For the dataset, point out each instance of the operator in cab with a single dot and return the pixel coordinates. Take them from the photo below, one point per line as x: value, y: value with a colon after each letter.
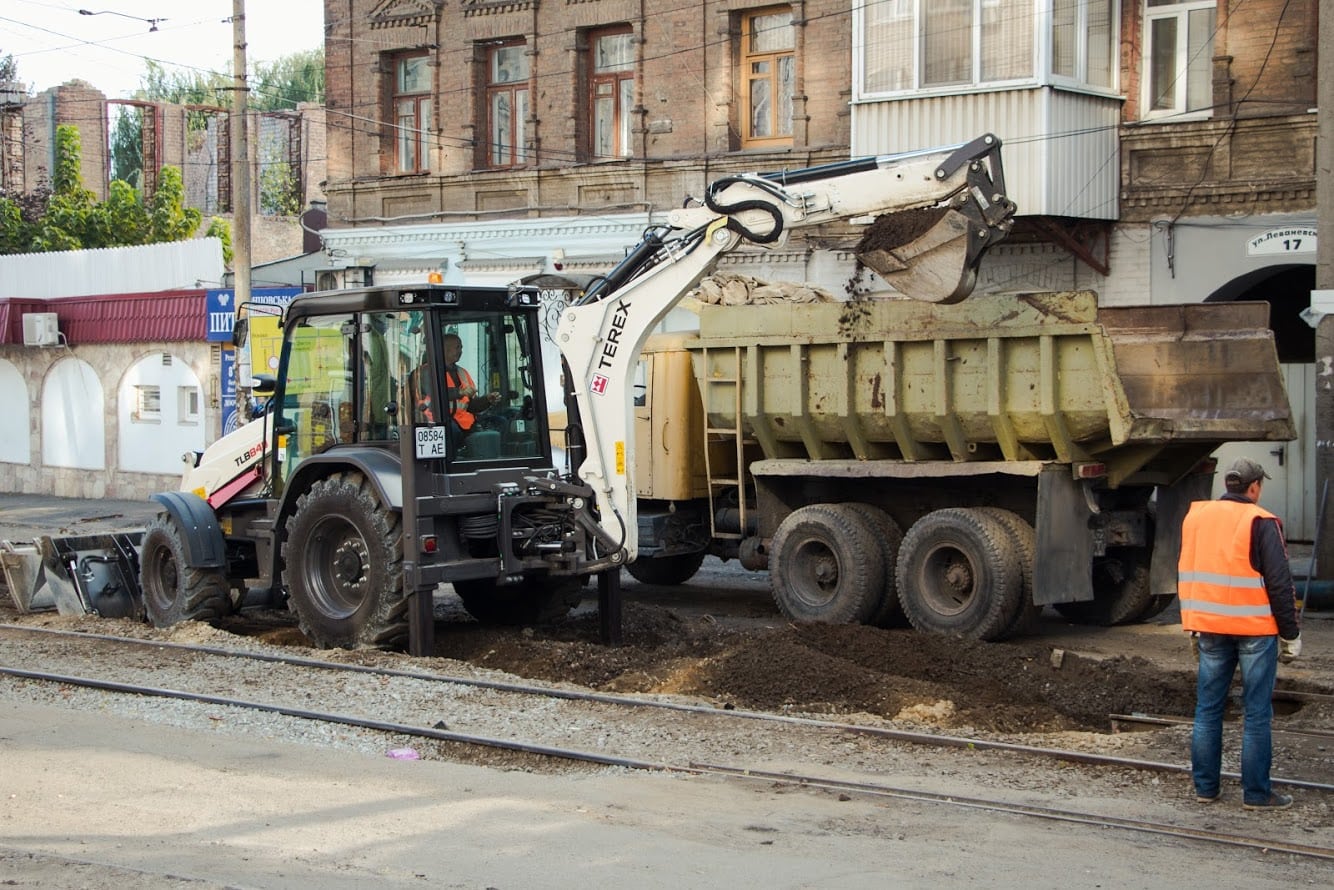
x: 462, y: 401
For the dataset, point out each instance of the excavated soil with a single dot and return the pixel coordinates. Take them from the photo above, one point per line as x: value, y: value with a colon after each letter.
x: 837, y: 670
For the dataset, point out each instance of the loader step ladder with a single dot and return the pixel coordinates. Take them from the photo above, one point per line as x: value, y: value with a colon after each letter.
x: 725, y: 388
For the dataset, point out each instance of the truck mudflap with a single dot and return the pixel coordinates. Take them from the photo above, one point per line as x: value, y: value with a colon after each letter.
x: 81, y: 575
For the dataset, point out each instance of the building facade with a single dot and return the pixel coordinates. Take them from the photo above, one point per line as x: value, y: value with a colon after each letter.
x: 1159, y: 151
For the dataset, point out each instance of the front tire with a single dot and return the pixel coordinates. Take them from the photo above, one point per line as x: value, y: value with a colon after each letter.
x: 958, y: 573
x: 174, y: 592
x: 675, y: 569
x: 343, y: 566
x: 826, y: 566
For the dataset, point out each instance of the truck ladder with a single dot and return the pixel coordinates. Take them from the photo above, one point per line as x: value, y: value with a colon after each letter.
x: 718, y: 485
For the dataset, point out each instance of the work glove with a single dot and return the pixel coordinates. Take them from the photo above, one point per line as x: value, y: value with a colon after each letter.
x: 1289, y: 649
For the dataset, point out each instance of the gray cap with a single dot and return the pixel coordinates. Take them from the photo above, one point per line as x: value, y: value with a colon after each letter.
x: 1246, y: 471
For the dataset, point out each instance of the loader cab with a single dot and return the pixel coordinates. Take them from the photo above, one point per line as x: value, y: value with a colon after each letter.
x: 377, y: 366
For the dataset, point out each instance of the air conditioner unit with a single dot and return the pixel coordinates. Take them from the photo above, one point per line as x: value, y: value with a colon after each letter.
x: 40, y: 329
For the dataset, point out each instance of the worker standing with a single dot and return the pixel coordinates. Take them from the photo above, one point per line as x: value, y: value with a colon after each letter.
x: 1239, y: 604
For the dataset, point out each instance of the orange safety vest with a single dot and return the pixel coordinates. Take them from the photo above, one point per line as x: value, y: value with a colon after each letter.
x: 1220, y: 591
x: 462, y: 416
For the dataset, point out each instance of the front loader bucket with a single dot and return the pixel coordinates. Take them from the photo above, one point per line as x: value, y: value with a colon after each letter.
x: 90, y: 574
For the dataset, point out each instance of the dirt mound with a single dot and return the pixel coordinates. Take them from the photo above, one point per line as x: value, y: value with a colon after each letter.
x: 833, y: 669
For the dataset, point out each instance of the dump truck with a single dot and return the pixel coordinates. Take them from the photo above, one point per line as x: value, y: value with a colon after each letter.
x: 956, y: 467
x: 360, y: 489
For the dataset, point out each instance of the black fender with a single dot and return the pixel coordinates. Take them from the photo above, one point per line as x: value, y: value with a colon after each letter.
x: 383, y: 468
x: 200, y: 532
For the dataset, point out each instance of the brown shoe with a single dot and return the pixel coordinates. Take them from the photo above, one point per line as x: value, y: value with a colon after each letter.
x: 1274, y: 802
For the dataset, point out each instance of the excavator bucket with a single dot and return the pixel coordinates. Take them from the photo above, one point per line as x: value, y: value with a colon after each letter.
x: 81, y: 575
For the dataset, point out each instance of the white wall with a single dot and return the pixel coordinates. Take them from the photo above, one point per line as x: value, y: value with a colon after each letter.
x: 16, y: 432
x: 155, y: 444
x: 73, y: 434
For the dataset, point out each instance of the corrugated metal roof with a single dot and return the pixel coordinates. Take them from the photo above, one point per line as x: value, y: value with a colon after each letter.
x: 117, y: 318
x: 81, y: 273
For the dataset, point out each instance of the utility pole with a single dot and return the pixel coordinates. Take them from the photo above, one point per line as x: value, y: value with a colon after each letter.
x: 1324, y: 280
x: 240, y: 146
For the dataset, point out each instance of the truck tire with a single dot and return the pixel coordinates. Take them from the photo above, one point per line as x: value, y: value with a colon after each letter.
x: 1121, y: 592
x: 826, y: 566
x: 958, y: 573
x: 675, y: 569
x: 1026, y: 546
x: 535, y: 600
x: 343, y: 566
x: 172, y: 591
x: 888, y: 612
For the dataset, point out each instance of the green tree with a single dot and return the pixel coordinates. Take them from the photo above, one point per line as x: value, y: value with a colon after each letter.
x: 222, y: 230
x: 170, y: 219
x: 288, y: 81
x: 9, y: 70
x: 127, y: 145
x: 69, y: 222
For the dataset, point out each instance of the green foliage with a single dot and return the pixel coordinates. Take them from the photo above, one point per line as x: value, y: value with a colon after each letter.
x: 67, y: 216
x: 9, y: 71
x: 127, y: 146
x: 287, y: 81
x: 170, y: 219
x: 222, y: 230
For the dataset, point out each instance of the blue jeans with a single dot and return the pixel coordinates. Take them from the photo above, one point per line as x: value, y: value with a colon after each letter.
x: 1219, y: 656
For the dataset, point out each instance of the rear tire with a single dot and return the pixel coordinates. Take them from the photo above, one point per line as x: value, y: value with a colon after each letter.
x: 958, y: 573
x: 825, y: 566
x: 172, y: 591
x: 888, y: 612
x: 535, y: 600
x: 343, y: 566
x: 1121, y: 592
x: 675, y: 569
x: 1026, y: 546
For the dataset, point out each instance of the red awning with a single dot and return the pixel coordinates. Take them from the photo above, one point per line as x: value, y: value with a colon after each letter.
x: 113, y: 318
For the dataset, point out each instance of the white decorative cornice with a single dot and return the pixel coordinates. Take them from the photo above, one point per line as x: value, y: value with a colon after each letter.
x: 398, y: 13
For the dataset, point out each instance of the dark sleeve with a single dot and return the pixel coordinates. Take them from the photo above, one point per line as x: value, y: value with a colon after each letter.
x: 1269, y: 555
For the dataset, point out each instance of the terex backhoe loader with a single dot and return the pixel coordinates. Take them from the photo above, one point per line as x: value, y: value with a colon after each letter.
x: 359, y: 491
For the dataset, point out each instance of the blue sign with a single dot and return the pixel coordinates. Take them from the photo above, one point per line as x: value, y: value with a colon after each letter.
x: 228, y: 371
x: 221, y: 308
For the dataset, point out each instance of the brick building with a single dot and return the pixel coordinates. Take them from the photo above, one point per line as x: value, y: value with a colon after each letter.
x: 1160, y: 151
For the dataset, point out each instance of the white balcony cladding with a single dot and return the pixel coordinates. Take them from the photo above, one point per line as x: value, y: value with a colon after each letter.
x: 1059, y: 147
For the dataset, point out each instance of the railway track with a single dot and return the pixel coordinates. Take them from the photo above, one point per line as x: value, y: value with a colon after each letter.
x: 531, y: 697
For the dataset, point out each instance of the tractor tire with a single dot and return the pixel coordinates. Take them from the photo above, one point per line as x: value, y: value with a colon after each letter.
x: 1121, y: 592
x: 343, y: 566
x: 173, y: 592
x: 666, y: 570
x: 888, y: 612
x: 1026, y: 546
x: 826, y: 566
x: 535, y: 600
x: 959, y: 574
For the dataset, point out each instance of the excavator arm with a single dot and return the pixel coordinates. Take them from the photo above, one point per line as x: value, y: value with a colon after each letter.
x: 936, y: 213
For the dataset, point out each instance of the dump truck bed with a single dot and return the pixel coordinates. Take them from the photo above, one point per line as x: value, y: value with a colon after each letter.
x: 1049, y: 376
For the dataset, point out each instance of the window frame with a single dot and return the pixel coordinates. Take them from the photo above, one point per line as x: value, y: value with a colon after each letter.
x: 519, y: 92
x: 622, y: 104
x: 746, y: 58
x: 900, y: 35
x: 1180, y: 10
x: 421, y: 116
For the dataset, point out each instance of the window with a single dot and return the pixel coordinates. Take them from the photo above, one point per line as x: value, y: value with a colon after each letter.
x: 916, y: 44
x: 148, y: 404
x: 1178, y: 58
x: 187, y: 404
x: 507, y: 105
x: 1082, y: 41
x: 768, y: 76
x: 317, y: 359
x: 611, y: 83
x: 412, y: 114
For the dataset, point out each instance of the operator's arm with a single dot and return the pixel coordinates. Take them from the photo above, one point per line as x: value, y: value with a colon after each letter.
x: 1269, y: 555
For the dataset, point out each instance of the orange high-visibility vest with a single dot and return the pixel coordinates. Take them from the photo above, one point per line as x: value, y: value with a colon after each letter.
x: 1220, y: 591
x: 462, y: 416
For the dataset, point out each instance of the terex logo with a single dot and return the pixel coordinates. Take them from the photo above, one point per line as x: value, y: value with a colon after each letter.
x: 250, y: 454
x: 613, y: 341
